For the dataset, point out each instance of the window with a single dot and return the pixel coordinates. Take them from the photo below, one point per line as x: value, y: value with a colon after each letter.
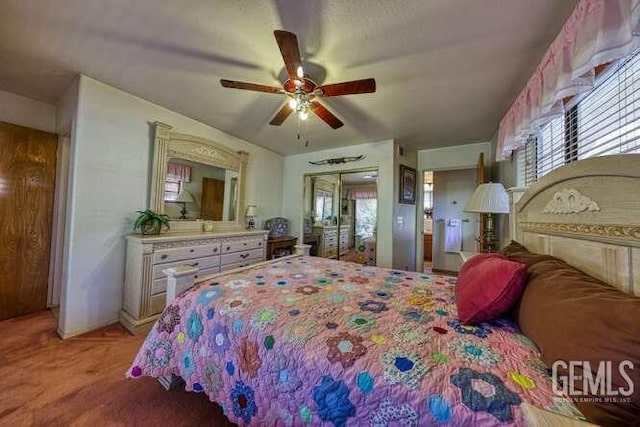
x: 171, y: 189
x: 606, y: 121
x: 366, y: 216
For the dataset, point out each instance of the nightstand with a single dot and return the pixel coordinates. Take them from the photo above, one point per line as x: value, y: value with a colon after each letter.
x: 280, y: 246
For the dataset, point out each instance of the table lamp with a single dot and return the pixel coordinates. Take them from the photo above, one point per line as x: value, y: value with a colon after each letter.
x: 488, y: 199
x: 184, y: 197
x: 250, y: 213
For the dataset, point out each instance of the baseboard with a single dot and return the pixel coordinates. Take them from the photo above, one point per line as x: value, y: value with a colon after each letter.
x: 135, y: 326
x: 65, y: 335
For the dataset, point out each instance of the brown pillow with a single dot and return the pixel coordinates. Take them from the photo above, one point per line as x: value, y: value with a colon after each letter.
x: 572, y: 316
x: 514, y: 251
x: 512, y: 247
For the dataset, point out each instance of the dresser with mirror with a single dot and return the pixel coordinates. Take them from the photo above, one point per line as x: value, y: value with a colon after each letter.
x: 200, y: 184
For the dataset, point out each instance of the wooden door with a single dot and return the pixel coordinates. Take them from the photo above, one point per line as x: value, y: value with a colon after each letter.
x: 480, y: 179
x: 212, y: 203
x: 27, y: 182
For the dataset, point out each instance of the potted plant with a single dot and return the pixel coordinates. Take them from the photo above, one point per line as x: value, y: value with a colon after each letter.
x: 150, y: 222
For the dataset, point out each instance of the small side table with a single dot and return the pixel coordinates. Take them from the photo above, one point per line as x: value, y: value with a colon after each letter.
x: 281, y: 246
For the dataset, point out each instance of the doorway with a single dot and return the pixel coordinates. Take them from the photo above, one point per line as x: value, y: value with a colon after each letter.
x: 340, y: 215
x: 27, y: 184
x: 453, y: 230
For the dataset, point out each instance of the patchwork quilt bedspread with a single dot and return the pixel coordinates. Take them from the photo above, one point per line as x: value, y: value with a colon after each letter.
x: 314, y: 341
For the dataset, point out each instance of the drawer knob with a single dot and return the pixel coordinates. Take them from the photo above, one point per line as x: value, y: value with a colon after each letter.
x: 245, y: 244
x: 195, y: 264
x: 191, y: 250
x: 228, y: 247
x: 215, y: 249
x: 164, y: 256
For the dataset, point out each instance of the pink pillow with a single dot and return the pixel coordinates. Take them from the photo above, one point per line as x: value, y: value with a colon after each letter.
x: 488, y: 285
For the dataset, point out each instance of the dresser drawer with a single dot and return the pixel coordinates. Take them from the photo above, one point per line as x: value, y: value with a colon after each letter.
x: 330, y: 239
x: 228, y: 267
x: 330, y: 252
x: 202, y: 264
x: 157, y: 303
x: 187, y: 252
x: 160, y: 285
x: 330, y: 233
x: 241, y: 256
x: 331, y: 244
x: 242, y: 245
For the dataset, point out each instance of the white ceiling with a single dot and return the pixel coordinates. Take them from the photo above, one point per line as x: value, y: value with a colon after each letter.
x: 446, y: 70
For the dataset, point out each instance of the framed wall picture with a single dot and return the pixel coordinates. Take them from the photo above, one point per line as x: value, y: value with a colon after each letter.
x: 407, y: 185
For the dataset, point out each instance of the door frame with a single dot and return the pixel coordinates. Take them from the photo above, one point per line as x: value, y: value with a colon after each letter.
x: 58, y: 223
x: 420, y: 210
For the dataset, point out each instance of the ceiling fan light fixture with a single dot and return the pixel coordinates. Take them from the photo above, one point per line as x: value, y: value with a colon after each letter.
x: 300, y: 91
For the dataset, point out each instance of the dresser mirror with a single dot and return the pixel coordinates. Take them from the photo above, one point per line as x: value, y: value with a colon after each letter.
x: 195, y: 179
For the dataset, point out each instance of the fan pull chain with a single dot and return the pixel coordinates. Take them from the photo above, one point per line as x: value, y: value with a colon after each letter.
x: 306, y: 133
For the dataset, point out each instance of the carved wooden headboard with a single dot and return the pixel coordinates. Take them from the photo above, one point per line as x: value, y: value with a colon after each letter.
x: 588, y: 214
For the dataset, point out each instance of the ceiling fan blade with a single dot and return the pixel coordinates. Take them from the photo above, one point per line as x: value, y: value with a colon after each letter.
x: 326, y: 115
x: 288, y: 44
x: 250, y: 86
x: 282, y: 115
x: 349, y: 88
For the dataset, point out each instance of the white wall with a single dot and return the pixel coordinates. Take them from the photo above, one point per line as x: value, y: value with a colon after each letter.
x: 27, y: 112
x: 458, y: 157
x: 404, y: 216
x: 111, y: 158
x: 378, y: 154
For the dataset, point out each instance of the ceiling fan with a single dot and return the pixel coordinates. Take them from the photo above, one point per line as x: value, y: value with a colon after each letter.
x: 301, y: 91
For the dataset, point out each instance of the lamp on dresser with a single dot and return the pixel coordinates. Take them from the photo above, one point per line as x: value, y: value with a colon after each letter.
x: 250, y: 213
x: 489, y: 199
x: 183, y: 198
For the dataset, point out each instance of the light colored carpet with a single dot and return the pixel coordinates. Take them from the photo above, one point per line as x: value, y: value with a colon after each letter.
x: 80, y: 381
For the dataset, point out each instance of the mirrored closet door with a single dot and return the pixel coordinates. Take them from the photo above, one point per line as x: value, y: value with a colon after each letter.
x: 340, y: 215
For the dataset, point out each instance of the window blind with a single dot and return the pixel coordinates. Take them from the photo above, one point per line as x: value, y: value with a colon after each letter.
x: 605, y: 121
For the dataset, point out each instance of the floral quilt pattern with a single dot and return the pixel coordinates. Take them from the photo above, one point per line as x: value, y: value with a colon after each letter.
x: 316, y: 341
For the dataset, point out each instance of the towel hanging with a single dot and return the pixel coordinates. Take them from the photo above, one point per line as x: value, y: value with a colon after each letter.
x: 453, y: 235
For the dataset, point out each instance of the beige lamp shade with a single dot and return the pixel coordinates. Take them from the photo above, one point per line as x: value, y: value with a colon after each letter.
x: 251, y: 211
x: 185, y: 197
x: 489, y: 198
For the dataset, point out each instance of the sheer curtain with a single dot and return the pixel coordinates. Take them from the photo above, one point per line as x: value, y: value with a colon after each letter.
x: 597, y: 32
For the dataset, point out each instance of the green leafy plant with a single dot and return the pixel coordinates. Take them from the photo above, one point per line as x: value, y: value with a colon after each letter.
x: 150, y: 222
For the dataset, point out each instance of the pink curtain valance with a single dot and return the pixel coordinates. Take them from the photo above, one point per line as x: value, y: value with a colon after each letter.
x: 355, y: 193
x: 596, y: 33
x: 178, y: 172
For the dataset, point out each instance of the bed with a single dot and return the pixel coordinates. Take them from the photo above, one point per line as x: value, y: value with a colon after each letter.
x: 305, y: 340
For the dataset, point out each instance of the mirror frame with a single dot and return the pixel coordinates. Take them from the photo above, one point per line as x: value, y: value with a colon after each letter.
x: 167, y: 143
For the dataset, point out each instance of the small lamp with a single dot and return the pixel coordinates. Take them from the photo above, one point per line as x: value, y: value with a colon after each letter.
x: 250, y: 213
x: 184, y: 197
x: 488, y: 199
